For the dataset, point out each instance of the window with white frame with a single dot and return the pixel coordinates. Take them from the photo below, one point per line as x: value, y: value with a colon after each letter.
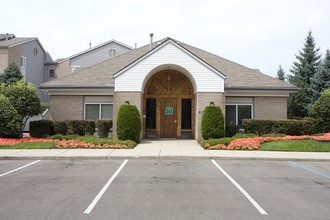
x: 23, y: 62
x: 95, y: 111
x: 235, y: 113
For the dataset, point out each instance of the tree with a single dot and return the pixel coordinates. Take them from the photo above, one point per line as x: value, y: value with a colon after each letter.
x: 280, y: 73
x: 24, y: 99
x: 9, y: 119
x: 303, y: 71
x: 321, y: 79
x: 11, y: 74
x: 320, y: 111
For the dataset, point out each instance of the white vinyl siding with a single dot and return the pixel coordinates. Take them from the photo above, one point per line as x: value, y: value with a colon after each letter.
x: 205, y: 78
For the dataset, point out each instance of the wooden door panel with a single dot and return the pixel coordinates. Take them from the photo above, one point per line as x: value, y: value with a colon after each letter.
x: 168, y: 115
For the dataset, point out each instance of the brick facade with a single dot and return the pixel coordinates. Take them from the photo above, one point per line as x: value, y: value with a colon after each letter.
x: 64, y: 107
x: 270, y: 107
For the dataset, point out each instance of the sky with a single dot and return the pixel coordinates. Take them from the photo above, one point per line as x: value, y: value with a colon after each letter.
x: 255, y: 33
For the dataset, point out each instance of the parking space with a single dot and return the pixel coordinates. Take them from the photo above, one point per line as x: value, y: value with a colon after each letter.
x: 163, y: 189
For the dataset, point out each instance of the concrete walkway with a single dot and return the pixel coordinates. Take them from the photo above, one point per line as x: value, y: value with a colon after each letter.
x: 160, y: 149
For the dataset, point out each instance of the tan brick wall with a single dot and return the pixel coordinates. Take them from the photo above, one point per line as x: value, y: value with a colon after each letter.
x: 119, y: 98
x: 14, y: 55
x: 66, y: 107
x: 270, y: 107
x: 63, y: 69
x: 3, y: 59
x: 203, y: 100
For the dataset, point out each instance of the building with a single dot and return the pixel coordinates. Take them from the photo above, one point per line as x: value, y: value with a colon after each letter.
x: 171, y: 83
x: 29, y: 54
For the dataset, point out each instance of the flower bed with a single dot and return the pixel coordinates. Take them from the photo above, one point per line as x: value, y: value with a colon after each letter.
x: 60, y: 144
x: 255, y: 143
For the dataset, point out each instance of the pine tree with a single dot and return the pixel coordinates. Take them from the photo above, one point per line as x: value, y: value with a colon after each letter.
x: 280, y: 73
x: 11, y: 74
x: 321, y: 79
x: 303, y: 71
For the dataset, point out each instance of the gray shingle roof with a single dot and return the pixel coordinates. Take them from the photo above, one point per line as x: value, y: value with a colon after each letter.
x: 101, y: 74
x: 15, y: 41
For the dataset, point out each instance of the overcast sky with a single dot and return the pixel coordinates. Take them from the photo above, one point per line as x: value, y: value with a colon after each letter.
x: 259, y: 34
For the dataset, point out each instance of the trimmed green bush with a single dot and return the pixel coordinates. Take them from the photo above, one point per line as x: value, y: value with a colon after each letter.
x: 89, y: 127
x: 41, y: 128
x: 320, y: 112
x: 128, y: 123
x: 103, y: 127
x: 231, y: 130
x: 60, y: 127
x: 10, y: 122
x: 288, y: 127
x: 212, y: 123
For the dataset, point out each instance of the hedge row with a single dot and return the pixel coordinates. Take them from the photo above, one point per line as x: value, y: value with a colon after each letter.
x: 289, y: 127
x: 46, y: 128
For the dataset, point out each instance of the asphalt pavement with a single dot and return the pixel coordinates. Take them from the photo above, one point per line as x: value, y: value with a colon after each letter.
x: 177, y: 188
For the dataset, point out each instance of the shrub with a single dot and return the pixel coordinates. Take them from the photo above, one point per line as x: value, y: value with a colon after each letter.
x: 259, y: 127
x: 10, y: 123
x: 289, y: 127
x: 41, y: 128
x: 103, y: 127
x: 320, y: 112
x: 231, y: 130
x: 89, y: 126
x: 128, y: 123
x: 60, y: 127
x: 212, y: 123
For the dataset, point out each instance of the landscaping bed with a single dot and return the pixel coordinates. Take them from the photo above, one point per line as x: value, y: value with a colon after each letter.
x: 255, y: 142
x: 65, y: 141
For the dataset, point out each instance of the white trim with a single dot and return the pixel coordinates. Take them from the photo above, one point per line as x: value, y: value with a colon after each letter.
x: 236, y: 109
x: 23, y: 60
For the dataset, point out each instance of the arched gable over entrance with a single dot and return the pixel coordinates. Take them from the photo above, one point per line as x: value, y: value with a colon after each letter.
x: 168, y: 107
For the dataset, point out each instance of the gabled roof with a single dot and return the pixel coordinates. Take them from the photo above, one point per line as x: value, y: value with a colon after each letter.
x: 162, y: 44
x: 19, y: 41
x: 101, y: 74
x: 94, y: 48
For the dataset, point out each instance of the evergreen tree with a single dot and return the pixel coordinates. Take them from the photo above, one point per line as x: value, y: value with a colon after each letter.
x: 321, y: 79
x: 280, y: 73
x: 11, y: 74
x: 303, y: 71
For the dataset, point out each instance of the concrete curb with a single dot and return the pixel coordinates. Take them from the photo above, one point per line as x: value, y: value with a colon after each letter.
x: 159, y: 157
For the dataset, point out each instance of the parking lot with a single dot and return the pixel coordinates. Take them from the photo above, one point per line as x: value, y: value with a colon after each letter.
x: 164, y: 189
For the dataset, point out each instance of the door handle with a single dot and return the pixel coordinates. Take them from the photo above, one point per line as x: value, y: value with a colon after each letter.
x: 175, y: 121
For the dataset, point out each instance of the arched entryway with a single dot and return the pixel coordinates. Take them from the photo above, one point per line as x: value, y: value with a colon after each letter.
x: 168, y: 106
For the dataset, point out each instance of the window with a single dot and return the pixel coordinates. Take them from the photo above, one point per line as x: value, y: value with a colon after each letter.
x: 186, y: 114
x: 51, y: 73
x: 236, y: 113
x: 35, y: 51
x: 23, y: 62
x: 112, y: 52
x: 98, y: 111
x: 151, y: 114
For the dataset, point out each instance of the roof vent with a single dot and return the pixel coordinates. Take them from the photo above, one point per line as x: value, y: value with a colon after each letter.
x: 151, y: 35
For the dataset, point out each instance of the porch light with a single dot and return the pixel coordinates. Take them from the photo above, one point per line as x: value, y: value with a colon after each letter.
x: 211, y: 103
x: 127, y: 102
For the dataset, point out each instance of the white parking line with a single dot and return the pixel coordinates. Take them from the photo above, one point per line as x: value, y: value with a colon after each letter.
x: 105, y: 187
x: 19, y: 168
x: 258, y: 207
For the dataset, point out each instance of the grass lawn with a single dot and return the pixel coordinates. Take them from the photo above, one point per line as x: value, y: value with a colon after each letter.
x: 30, y: 145
x: 297, y: 146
